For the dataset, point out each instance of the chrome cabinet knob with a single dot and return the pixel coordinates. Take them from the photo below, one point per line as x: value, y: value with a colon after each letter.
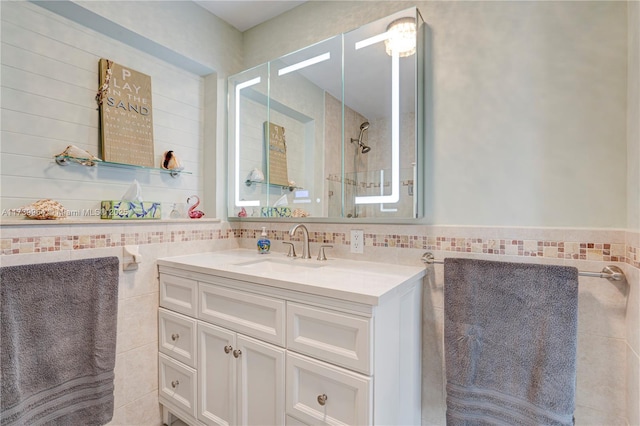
x: 322, y: 399
x: 175, y: 336
x: 228, y: 349
x: 175, y: 384
x: 237, y: 353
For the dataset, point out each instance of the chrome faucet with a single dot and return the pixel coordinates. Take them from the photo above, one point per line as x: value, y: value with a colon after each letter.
x: 305, y: 239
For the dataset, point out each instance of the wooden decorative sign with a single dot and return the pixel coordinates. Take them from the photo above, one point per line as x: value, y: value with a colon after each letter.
x: 126, y: 124
x: 277, y: 151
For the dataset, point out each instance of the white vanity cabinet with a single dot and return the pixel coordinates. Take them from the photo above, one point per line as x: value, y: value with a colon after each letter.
x: 241, y: 350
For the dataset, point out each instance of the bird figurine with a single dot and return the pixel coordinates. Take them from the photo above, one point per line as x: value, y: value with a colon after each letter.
x: 193, y: 213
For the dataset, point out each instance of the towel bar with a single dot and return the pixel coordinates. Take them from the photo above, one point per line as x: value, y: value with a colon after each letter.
x: 611, y: 272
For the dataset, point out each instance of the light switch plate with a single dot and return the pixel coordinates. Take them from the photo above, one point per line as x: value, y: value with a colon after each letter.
x: 357, y: 241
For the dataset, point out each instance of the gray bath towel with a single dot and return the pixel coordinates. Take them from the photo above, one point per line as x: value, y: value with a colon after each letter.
x: 510, y: 343
x: 58, y: 324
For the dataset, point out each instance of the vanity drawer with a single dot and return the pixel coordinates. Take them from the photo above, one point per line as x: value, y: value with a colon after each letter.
x: 348, y: 394
x: 177, y: 384
x: 255, y: 315
x: 177, y: 336
x: 179, y: 294
x: 332, y: 336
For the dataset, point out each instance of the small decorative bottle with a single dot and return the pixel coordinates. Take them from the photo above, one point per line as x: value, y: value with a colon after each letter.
x: 175, y: 213
x: 263, y: 242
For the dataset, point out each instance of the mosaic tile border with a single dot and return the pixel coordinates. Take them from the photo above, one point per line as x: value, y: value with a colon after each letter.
x: 23, y: 245
x: 575, y: 250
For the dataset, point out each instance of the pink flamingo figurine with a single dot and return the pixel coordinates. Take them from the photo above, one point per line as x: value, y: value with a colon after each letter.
x: 193, y: 213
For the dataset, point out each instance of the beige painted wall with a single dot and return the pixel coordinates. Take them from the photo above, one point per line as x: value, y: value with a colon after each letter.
x: 633, y: 119
x: 633, y: 213
x: 526, y: 105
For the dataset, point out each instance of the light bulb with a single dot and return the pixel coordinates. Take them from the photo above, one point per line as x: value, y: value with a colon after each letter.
x: 402, y: 37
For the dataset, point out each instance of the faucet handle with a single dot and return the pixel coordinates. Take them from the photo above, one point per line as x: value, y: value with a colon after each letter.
x: 321, y: 255
x: 292, y: 249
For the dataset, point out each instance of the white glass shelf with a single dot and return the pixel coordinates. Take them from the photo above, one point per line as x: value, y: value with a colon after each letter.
x: 257, y: 183
x: 65, y: 160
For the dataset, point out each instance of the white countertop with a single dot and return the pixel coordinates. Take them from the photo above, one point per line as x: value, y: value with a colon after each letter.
x: 355, y: 281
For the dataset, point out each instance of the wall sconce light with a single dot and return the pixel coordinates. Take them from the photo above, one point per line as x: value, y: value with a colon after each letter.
x: 402, y: 37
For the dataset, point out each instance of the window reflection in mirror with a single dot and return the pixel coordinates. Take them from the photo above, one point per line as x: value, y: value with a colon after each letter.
x: 330, y: 131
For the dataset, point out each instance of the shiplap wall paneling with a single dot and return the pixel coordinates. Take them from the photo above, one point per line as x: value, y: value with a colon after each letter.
x: 49, y: 80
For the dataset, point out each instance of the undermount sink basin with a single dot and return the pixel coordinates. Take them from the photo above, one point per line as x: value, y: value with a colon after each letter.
x: 271, y: 264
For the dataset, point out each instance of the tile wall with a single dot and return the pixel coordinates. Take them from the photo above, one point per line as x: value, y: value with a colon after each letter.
x: 136, y: 376
x: 608, y: 388
x: 609, y: 317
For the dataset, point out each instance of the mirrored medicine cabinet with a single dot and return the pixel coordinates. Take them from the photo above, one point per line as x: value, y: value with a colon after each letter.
x: 334, y: 131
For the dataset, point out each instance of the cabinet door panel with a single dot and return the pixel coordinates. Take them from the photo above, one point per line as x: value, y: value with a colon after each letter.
x: 250, y: 314
x: 217, y: 375
x: 348, y: 395
x: 261, y: 384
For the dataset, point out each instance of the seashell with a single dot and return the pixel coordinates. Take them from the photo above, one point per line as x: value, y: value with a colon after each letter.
x: 256, y: 176
x: 299, y: 213
x: 43, y: 209
x: 170, y: 161
x: 79, y: 155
